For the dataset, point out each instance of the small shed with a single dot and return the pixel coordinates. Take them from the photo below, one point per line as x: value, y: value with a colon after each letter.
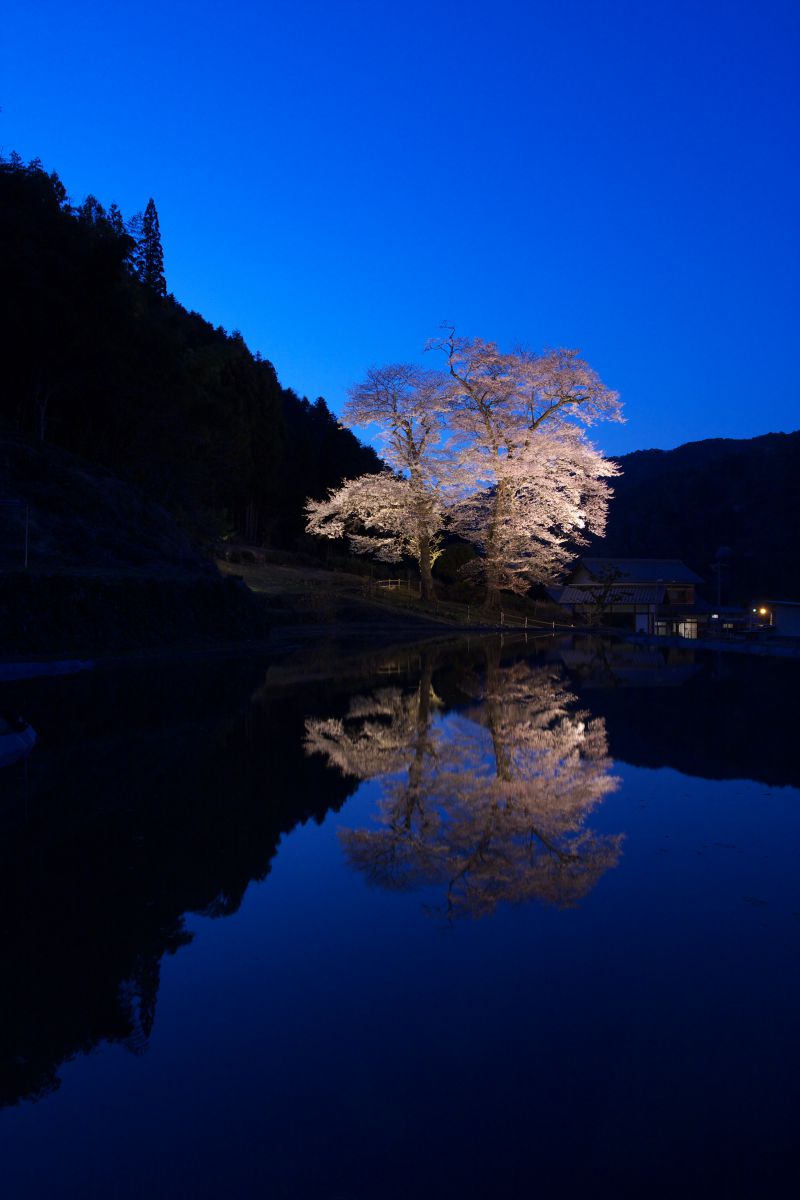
x: 785, y: 615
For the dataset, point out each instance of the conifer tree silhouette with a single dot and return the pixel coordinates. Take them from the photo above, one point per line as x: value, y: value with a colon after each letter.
x: 116, y: 220
x: 149, y: 254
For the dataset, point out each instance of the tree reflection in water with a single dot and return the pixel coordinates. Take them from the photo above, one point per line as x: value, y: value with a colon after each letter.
x: 489, y: 803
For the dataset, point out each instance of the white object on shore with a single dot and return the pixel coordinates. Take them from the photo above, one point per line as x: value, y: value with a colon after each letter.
x: 15, y: 743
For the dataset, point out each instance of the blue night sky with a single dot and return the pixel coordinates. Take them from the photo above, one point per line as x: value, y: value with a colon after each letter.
x: 335, y: 179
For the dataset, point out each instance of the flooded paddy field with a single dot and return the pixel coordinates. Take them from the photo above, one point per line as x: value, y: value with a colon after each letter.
x: 474, y: 917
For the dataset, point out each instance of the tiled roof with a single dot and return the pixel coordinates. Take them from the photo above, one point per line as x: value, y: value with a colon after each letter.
x: 640, y: 570
x: 617, y: 594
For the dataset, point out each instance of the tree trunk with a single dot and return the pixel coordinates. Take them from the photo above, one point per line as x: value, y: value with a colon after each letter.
x: 492, y: 598
x: 425, y: 571
x: 493, y: 563
x: 493, y: 700
x: 416, y: 767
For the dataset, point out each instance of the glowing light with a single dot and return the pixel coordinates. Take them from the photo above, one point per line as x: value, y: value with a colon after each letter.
x: 762, y: 612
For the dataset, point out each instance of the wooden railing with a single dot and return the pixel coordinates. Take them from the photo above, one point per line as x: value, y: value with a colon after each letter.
x: 407, y: 594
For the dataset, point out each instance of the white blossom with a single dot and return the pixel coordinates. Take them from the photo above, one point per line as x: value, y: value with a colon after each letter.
x: 538, y: 484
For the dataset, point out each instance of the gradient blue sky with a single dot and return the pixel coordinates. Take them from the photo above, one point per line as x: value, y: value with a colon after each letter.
x: 335, y: 179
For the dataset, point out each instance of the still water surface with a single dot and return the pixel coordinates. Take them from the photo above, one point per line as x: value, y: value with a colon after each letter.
x: 477, y: 919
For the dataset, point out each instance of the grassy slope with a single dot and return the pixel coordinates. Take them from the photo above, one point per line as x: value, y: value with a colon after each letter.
x: 309, y: 595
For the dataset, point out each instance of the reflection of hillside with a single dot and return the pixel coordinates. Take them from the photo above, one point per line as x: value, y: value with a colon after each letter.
x: 146, y: 800
x: 599, y: 662
x: 719, y: 716
x: 488, y: 805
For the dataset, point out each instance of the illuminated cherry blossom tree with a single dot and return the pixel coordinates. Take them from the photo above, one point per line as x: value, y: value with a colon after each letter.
x: 493, y: 448
x: 400, y: 511
x: 536, y: 505
x: 538, y: 484
x: 384, y: 515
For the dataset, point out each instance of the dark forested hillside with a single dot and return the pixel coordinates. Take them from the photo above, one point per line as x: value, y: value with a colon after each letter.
x: 741, y: 497
x: 98, y: 360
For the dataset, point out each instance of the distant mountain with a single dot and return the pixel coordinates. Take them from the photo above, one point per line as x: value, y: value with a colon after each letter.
x: 738, y: 497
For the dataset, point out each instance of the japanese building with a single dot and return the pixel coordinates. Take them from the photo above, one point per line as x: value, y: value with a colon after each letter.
x: 648, y: 595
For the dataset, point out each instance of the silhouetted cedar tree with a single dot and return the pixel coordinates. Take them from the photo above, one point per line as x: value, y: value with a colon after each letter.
x: 150, y: 255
